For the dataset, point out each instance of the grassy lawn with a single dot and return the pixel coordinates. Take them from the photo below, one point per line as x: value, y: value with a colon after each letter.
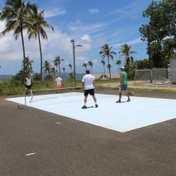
x: 13, y: 88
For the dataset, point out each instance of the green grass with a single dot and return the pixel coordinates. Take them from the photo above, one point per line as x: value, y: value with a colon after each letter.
x: 16, y: 88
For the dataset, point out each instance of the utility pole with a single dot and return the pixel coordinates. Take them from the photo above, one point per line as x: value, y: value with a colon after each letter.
x: 149, y: 52
x: 74, y: 60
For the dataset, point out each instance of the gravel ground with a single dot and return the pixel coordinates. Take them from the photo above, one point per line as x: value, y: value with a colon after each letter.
x: 142, y: 90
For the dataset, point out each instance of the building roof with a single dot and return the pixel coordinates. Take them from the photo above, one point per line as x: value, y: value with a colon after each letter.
x: 114, y: 75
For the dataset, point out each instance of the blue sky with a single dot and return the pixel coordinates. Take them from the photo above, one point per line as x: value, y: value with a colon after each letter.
x: 91, y: 23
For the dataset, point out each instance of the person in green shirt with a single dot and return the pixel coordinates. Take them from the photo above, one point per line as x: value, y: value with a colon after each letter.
x: 123, y: 85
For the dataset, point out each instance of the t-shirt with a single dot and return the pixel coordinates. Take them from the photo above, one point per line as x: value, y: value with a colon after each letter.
x: 58, y: 80
x: 88, y: 81
x: 28, y: 82
x: 124, y: 78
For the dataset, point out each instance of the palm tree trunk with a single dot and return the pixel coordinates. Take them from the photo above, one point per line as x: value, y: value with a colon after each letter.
x: 109, y: 68
x: 24, y: 55
x: 59, y: 69
x: 41, y: 57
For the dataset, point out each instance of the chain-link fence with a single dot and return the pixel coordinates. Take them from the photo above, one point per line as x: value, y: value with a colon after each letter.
x: 156, y: 75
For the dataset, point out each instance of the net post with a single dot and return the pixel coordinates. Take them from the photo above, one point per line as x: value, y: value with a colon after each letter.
x: 25, y: 97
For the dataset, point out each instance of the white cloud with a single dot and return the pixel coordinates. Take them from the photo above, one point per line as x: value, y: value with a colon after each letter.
x: 54, y: 12
x: 135, y: 41
x: 58, y: 44
x: 86, y: 38
x: 131, y: 42
x: 132, y: 10
x: 9, y: 46
x: 88, y: 31
x: 82, y: 28
x: 93, y: 11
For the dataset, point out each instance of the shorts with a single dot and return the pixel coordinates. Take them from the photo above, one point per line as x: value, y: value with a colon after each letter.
x: 124, y: 88
x: 90, y: 91
x: 59, y: 85
x: 28, y: 87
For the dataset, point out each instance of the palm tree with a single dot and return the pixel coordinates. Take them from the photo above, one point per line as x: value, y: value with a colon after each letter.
x: 126, y: 51
x: 106, y: 52
x: 71, y: 73
x: 70, y: 66
x: 36, y: 30
x: 118, y: 63
x: 84, y: 65
x: 16, y: 14
x: 109, y: 66
x: 57, y: 62
x: 28, y: 65
x: 63, y: 69
x: 91, y: 65
x: 103, y: 62
x: 53, y: 70
x: 47, y: 67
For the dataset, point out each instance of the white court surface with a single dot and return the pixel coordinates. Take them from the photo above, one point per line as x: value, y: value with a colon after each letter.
x: 122, y: 117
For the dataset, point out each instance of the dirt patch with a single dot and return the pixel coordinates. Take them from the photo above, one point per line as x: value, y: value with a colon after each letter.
x: 143, y: 85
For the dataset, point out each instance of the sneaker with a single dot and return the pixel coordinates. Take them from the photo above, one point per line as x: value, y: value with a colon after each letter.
x: 119, y: 101
x: 128, y: 100
x: 84, y: 107
x: 96, y: 106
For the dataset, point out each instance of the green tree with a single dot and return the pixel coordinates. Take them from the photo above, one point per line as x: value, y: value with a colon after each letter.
x: 16, y: 14
x: 168, y: 46
x: 103, y: 62
x: 70, y: 66
x: 118, y: 63
x: 125, y: 50
x: 36, y: 30
x: 84, y: 65
x: 71, y: 73
x: 162, y: 20
x: 109, y: 66
x: 142, y: 64
x: 37, y: 77
x: 53, y: 70
x: 28, y: 65
x: 47, y: 67
x: 91, y: 65
x: 57, y: 62
x: 106, y: 51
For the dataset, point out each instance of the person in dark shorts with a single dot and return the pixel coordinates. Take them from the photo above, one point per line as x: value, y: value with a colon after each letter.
x: 88, y: 85
x: 123, y: 85
x: 28, y: 84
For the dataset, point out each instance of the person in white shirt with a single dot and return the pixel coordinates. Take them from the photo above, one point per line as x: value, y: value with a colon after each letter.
x: 88, y: 85
x: 28, y: 84
x: 58, y: 81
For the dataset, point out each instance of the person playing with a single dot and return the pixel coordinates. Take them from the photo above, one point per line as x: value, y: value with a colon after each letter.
x: 88, y: 85
x: 28, y: 84
x: 123, y: 85
x: 59, y: 82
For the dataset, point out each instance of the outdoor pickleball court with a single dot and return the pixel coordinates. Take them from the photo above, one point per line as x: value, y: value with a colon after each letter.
x: 121, y: 117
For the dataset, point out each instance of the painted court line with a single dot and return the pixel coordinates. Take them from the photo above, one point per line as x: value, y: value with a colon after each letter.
x: 122, y: 117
